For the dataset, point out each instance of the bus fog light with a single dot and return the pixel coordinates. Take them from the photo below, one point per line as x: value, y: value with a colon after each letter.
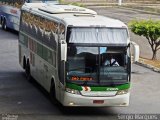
x: 124, y: 104
x: 72, y: 91
x: 121, y: 92
x: 71, y: 103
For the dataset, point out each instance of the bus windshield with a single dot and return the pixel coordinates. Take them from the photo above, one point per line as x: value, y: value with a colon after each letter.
x: 97, y: 65
x: 112, y: 36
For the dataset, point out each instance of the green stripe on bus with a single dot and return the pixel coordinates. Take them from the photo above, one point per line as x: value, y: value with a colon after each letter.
x: 119, y: 87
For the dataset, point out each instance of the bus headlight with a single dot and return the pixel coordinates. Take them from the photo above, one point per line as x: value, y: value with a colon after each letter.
x: 72, y: 91
x: 121, y: 92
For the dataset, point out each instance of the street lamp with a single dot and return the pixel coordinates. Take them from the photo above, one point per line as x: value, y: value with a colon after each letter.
x: 119, y: 2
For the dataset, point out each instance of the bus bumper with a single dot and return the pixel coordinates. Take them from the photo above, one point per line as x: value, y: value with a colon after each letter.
x: 79, y: 100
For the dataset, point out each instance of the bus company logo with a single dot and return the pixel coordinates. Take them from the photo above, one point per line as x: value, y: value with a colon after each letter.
x: 112, y: 89
x: 86, y: 89
x: 13, y: 11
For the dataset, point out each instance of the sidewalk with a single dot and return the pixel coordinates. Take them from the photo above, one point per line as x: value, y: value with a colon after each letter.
x: 151, y: 8
x: 151, y: 64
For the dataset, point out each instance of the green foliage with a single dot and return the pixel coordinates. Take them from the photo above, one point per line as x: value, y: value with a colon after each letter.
x: 61, y: 1
x: 72, y: 3
x: 78, y: 4
x: 146, y: 28
x: 149, y: 29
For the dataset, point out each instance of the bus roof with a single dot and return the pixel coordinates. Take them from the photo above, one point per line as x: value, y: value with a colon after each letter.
x: 72, y: 15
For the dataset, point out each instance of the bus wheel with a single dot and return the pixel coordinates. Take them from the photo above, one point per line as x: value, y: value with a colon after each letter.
x: 53, y: 94
x: 24, y: 62
x: 1, y: 21
x: 4, y: 24
x: 27, y: 71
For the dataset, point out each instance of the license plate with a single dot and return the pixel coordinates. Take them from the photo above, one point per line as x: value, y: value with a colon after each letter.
x: 98, y: 101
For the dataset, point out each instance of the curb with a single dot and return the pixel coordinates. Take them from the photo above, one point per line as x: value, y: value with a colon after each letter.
x: 124, y: 7
x: 142, y: 11
x: 155, y: 69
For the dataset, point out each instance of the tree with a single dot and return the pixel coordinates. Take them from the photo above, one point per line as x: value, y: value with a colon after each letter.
x: 150, y: 29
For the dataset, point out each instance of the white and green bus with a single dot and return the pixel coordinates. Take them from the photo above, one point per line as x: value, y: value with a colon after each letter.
x: 10, y: 12
x: 79, y: 57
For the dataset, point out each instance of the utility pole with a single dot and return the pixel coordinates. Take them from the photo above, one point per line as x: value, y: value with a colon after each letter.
x: 119, y: 2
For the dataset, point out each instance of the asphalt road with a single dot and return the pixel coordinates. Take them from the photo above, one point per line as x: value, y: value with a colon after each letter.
x: 126, y: 15
x: 29, y: 101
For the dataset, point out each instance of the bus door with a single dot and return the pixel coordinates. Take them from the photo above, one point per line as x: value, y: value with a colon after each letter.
x: 61, y: 67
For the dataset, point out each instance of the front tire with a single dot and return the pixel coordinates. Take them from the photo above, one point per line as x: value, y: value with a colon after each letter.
x: 1, y: 21
x: 53, y: 94
x: 4, y: 25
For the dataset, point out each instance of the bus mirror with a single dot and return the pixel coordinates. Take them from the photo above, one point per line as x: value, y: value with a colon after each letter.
x: 63, y: 50
x: 136, y: 51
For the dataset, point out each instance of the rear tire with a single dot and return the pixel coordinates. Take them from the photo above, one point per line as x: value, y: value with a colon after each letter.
x: 24, y: 63
x: 27, y: 71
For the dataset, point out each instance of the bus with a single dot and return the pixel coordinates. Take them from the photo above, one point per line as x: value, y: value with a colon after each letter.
x: 10, y: 12
x: 64, y: 48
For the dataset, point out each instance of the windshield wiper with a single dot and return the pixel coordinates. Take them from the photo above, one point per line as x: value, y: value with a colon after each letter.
x: 85, y: 83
